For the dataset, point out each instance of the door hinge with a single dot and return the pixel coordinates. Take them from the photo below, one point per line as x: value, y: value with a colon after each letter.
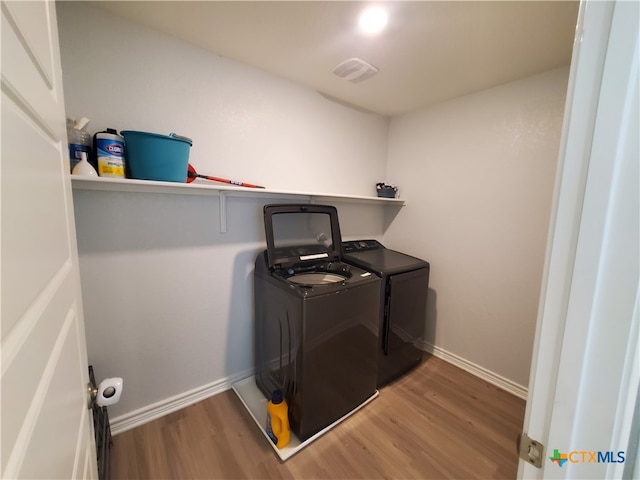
x: 530, y: 450
x: 92, y: 394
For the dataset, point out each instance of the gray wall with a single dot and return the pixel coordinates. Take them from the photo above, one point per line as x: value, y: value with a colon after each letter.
x: 168, y: 298
x: 477, y: 173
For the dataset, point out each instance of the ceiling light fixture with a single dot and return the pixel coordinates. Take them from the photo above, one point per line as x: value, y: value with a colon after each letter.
x: 373, y: 20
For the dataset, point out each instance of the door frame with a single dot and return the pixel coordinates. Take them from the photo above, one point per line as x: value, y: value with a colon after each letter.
x: 583, y: 385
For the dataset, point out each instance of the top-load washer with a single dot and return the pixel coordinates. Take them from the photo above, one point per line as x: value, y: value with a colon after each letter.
x: 316, y: 318
x: 403, y: 304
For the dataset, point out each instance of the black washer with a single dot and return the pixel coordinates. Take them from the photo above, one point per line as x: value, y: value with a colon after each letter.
x: 316, y: 318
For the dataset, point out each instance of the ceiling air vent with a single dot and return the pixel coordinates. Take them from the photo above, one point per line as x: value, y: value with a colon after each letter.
x: 355, y: 70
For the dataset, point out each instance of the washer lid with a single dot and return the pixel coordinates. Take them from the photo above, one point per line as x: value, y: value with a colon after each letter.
x: 301, y: 234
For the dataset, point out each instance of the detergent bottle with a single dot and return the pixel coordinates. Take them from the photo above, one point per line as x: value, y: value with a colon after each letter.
x: 278, y: 420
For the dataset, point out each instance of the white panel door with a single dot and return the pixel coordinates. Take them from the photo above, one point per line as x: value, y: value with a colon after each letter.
x: 46, y: 429
x: 585, y: 375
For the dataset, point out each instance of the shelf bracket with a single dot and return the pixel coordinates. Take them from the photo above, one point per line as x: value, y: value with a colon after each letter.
x: 223, y: 212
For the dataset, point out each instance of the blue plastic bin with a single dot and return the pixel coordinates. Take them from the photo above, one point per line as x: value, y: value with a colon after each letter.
x: 151, y: 156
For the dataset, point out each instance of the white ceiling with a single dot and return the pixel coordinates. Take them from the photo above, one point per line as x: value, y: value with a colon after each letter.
x: 430, y: 52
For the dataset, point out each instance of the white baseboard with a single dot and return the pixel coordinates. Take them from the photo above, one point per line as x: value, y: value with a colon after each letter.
x: 480, y: 372
x: 172, y: 404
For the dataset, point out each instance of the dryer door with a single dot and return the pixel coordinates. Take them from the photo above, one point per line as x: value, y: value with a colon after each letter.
x: 404, y: 321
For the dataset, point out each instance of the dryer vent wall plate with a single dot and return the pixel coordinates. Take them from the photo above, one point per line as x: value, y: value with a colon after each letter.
x: 355, y: 70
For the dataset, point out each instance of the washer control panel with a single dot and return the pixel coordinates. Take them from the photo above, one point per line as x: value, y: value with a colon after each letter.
x: 360, y: 245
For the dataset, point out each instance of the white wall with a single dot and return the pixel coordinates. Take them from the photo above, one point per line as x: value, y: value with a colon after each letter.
x: 245, y: 123
x: 167, y: 297
x: 478, y: 173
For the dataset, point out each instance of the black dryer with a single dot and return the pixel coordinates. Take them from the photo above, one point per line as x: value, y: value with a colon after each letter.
x: 403, y: 304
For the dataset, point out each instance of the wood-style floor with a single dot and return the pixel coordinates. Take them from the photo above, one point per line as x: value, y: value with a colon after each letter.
x: 437, y: 422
